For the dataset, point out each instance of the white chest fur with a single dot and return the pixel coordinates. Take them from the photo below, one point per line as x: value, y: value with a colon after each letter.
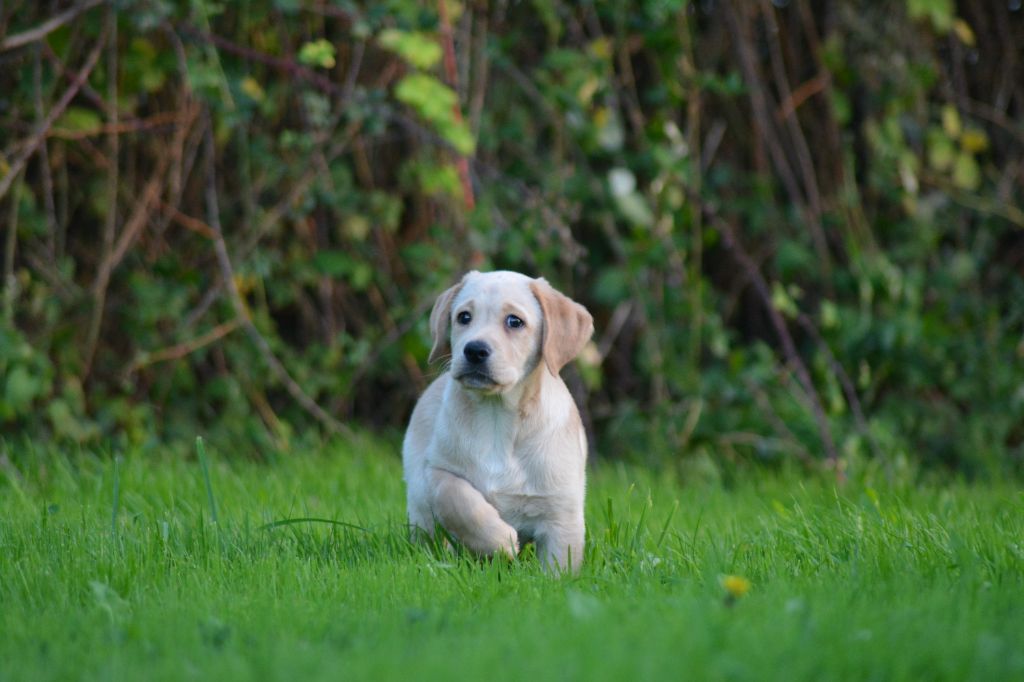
x: 481, y: 446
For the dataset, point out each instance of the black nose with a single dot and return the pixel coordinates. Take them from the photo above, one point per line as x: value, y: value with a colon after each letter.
x: 476, y: 352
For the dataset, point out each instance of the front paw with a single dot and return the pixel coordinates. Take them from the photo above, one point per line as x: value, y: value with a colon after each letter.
x: 505, y: 540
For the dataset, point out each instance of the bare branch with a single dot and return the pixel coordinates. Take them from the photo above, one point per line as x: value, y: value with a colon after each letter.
x: 180, y: 350
x: 30, y: 146
x: 47, y: 27
x: 228, y: 276
x: 10, y: 282
x: 451, y: 73
x: 99, y: 290
x: 785, y: 339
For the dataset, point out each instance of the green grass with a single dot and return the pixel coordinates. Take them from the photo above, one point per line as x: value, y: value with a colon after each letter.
x: 120, y: 572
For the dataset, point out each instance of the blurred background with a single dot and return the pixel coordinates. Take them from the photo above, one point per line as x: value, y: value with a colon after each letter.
x: 797, y: 223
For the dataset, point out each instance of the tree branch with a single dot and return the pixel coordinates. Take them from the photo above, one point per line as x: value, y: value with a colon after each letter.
x: 47, y: 27
x: 760, y: 285
x: 99, y: 290
x: 228, y: 276
x: 10, y: 282
x: 180, y: 350
x: 30, y: 146
x: 451, y: 74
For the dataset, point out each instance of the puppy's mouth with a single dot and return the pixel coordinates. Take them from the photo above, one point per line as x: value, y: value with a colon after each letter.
x: 475, y: 378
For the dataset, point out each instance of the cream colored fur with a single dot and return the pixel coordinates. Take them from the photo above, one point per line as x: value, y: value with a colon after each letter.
x: 497, y: 456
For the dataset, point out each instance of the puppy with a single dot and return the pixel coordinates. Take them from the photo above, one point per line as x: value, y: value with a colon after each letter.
x: 495, y: 451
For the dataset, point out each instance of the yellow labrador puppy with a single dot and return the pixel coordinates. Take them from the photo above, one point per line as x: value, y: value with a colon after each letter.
x: 495, y: 451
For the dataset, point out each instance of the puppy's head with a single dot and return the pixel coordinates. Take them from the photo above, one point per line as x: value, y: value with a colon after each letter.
x: 499, y: 326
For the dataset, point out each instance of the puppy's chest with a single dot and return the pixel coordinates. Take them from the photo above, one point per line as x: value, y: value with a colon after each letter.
x: 494, y: 456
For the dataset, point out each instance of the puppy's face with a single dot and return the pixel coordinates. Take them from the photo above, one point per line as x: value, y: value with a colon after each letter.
x: 496, y: 325
x: 502, y: 325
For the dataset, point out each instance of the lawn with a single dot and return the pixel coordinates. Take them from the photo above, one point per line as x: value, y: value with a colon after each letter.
x: 125, y: 571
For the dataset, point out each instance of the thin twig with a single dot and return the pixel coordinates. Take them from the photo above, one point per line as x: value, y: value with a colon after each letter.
x: 810, y: 207
x: 140, y: 215
x: 68, y: 74
x: 615, y: 325
x: 785, y: 433
x: 688, y: 66
x: 30, y: 145
x: 451, y: 74
x: 44, y: 155
x: 178, y: 168
x: 994, y: 115
x: 481, y: 66
x: 66, y: 289
x: 799, y: 142
x: 47, y: 27
x: 849, y: 390
x: 803, y: 92
x: 228, y: 276
x: 188, y: 222
x: 289, y: 66
x: 178, y: 351
x: 760, y: 285
x: 396, y: 333
x: 164, y: 118
x: 977, y: 202
x: 10, y: 281
x: 99, y: 290
x: 764, y: 122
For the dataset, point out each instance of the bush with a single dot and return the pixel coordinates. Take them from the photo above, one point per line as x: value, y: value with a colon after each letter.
x: 797, y: 225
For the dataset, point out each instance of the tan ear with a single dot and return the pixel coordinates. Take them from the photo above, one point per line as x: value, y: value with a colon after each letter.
x: 567, y: 326
x: 440, y: 317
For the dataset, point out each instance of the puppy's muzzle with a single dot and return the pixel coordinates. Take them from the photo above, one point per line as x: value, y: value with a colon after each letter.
x: 476, y: 353
x: 474, y: 372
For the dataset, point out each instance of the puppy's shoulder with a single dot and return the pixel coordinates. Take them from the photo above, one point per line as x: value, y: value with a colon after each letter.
x: 425, y: 414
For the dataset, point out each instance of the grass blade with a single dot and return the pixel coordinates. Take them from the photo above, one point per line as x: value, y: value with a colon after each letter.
x: 668, y: 522
x: 117, y: 497
x: 310, y: 519
x: 201, y: 449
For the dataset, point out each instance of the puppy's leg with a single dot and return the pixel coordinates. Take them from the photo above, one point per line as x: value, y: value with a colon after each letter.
x: 464, y: 512
x: 421, y: 526
x: 560, y: 546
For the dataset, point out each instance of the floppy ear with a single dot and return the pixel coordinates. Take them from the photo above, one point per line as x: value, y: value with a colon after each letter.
x: 567, y: 326
x: 440, y: 317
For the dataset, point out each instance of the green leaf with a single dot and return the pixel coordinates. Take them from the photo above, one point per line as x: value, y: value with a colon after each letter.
x: 332, y: 263
x: 939, y: 12
x: 79, y: 120
x: 419, y: 49
x: 635, y: 209
x: 842, y: 107
x: 951, y: 122
x: 362, y: 275
x: 356, y: 227
x: 318, y: 53
x: 435, y: 102
x: 439, y: 180
x: 67, y: 424
x: 829, y: 315
x: 974, y: 140
x: 782, y: 300
x: 145, y: 68
x: 941, y: 150
x: 20, y: 390
x: 966, y: 172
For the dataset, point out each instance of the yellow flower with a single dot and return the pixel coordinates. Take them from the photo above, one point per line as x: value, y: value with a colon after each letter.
x: 736, y: 586
x: 252, y: 88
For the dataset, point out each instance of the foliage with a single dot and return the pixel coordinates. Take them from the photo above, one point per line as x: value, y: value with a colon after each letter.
x: 798, y: 224
x: 115, y: 569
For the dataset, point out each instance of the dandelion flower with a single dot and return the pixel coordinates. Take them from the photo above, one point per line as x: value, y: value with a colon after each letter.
x: 735, y: 586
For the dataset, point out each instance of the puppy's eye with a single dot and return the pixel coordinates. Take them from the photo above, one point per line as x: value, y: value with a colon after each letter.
x: 514, y: 322
x: 463, y: 317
